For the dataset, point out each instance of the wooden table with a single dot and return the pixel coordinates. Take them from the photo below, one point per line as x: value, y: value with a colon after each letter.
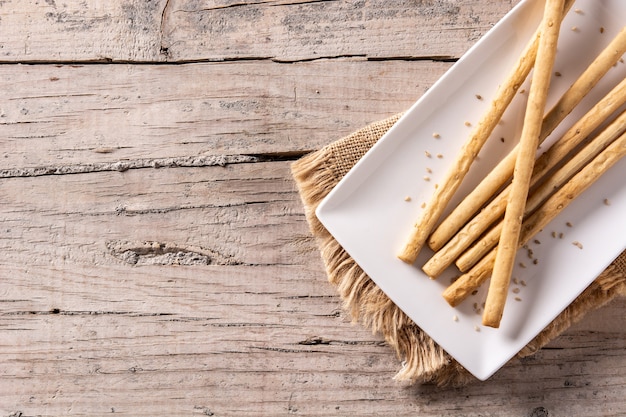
x: 155, y: 255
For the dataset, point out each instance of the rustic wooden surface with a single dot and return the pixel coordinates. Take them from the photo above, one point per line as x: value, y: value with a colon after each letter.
x: 155, y: 256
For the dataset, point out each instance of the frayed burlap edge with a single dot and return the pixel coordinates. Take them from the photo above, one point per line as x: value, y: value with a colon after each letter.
x: 424, y: 361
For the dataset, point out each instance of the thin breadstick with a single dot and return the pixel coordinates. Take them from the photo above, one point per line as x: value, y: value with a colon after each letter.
x: 600, y: 112
x: 503, y: 171
x: 443, y: 194
x: 552, y: 183
x: 551, y: 208
x: 454, y: 249
x: 529, y: 141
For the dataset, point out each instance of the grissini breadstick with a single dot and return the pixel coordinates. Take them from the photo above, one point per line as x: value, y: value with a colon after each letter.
x: 471, y: 280
x: 552, y: 183
x: 442, y: 195
x: 605, y: 60
x: 453, y: 251
x: 503, y: 171
x: 600, y: 112
x: 529, y: 141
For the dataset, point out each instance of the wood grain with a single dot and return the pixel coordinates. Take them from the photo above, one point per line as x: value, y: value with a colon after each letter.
x: 175, y: 288
x: 155, y: 255
x: 283, y: 30
x: 103, y: 114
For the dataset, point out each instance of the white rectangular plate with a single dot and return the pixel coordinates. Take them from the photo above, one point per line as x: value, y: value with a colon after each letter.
x: 368, y: 215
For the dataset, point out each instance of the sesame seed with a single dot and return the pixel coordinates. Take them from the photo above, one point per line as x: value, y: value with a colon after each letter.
x: 522, y: 265
x: 455, y: 318
x: 518, y: 299
x: 607, y: 202
x: 479, y: 97
x: 426, y: 178
x: 428, y: 154
x: 577, y: 244
x: 430, y: 171
x: 601, y: 29
x: 476, y: 328
x: 579, y: 11
x: 423, y: 205
x: 522, y: 283
x: 558, y: 74
x: 468, y: 124
x: 407, y: 198
x: 537, y: 241
x: 436, y: 135
x: 439, y: 156
x: 515, y: 290
x: 568, y: 224
x: 574, y: 28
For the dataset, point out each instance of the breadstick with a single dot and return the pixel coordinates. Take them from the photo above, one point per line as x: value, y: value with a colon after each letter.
x: 571, y: 139
x: 529, y: 141
x: 451, y: 182
x: 471, y: 280
x: 453, y: 250
x: 494, y: 210
x: 503, y: 171
x: 552, y: 183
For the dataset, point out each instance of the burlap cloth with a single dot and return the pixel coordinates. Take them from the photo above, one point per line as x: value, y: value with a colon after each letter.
x: 423, y: 360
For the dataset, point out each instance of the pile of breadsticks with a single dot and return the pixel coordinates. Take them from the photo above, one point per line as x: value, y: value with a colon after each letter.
x: 483, y: 233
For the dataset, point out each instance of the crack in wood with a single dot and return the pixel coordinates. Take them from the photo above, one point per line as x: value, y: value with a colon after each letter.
x: 164, y: 50
x: 121, y: 210
x: 259, y: 325
x: 57, y: 311
x: 300, y: 297
x: 319, y: 58
x: 166, y: 253
x: 125, y: 165
x: 297, y: 3
x: 315, y: 340
x: 204, y: 410
x: 271, y: 3
x: 318, y: 340
x: 279, y: 156
x: 432, y: 58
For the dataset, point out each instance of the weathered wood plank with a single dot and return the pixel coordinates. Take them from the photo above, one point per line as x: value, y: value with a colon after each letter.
x: 93, y: 320
x: 184, y: 30
x: 74, y: 30
x: 68, y: 116
x: 165, y: 344
x: 301, y: 30
x: 244, y: 214
x: 198, y: 290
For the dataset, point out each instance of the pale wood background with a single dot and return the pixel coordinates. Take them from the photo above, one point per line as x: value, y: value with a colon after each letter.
x: 155, y: 257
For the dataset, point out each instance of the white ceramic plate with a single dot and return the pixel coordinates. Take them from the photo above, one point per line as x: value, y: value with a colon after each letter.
x: 368, y: 215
